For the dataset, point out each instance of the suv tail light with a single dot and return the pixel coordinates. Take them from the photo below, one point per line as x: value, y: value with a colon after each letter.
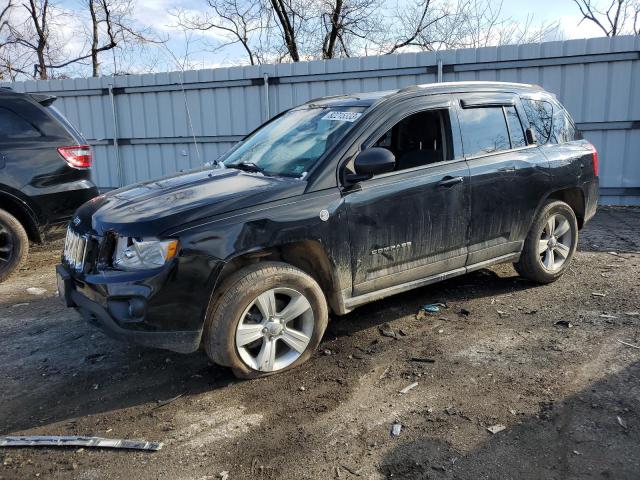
x: 596, y: 167
x: 77, y: 156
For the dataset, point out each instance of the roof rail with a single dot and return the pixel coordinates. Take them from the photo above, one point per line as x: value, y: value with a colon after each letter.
x: 410, y: 88
x: 327, y: 97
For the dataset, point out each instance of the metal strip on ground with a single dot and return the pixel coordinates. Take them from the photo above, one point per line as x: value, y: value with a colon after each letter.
x: 74, y: 441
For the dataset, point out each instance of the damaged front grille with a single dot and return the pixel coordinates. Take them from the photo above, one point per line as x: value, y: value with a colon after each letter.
x: 88, y: 253
x: 75, y: 250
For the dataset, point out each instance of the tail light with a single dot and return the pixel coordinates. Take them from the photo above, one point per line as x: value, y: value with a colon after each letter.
x: 596, y: 167
x: 77, y: 156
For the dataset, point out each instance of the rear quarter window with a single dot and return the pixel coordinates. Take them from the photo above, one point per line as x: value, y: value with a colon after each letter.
x: 14, y: 126
x: 540, y: 116
x: 564, y: 130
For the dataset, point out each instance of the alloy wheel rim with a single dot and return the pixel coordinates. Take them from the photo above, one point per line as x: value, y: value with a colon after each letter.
x: 6, y: 245
x: 275, y: 329
x: 555, y: 242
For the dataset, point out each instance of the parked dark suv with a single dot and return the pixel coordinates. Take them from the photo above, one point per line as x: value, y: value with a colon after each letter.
x: 330, y: 205
x: 44, y: 173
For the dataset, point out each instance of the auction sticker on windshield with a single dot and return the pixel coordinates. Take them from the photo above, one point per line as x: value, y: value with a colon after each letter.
x: 342, y: 116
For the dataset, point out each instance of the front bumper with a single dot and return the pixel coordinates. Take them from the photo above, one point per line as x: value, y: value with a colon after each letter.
x: 160, y: 309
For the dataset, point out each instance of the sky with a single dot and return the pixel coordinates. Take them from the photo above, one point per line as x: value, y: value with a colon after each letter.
x: 564, y: 11
x: 156, y: 14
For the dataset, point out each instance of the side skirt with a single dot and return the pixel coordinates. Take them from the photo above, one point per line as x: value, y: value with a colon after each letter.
x: 353, y: 302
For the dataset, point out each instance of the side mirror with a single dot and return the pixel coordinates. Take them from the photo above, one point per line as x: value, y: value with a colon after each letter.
x: 370, y: 162
x: 531, y: 136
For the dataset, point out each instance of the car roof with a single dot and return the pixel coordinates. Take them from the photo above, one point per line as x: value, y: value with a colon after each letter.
x: 10, y: 92
x: 44, y: 99
x: 369, y: 98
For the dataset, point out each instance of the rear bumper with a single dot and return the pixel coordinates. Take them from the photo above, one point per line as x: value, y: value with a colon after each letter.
x: 591, y: 196
x: 58, y: 204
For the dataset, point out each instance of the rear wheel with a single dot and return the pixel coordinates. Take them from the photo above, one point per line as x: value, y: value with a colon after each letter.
x: 269, y: 318
x: 14, y: 244
x: 550, y: 245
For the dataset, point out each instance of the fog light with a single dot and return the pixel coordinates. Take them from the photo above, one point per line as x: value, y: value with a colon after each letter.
x: 136, y: 307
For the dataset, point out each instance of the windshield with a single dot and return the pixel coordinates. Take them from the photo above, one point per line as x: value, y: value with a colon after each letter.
x: 292, y: 143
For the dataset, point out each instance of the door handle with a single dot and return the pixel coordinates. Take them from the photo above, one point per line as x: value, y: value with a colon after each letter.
x: 448, y: 182
x: 507, y: 169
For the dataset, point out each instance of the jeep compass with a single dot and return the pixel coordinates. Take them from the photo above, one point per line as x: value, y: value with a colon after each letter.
x: 338, y: 202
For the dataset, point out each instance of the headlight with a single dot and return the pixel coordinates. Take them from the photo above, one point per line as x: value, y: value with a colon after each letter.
x: 144, y: 254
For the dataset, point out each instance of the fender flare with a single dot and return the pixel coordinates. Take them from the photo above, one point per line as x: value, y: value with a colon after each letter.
x: 551, y: 194
x: 25, y: 214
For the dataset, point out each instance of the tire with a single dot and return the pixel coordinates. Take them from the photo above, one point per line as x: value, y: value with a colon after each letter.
x: 546, y: 257
x: 245, y: 322
x: 14, y: 245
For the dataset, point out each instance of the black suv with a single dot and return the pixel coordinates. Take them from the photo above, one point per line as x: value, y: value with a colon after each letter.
x: 330, y: 205
x: 44, y: 173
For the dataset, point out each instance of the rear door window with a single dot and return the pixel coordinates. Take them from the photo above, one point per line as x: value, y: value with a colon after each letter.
x: 13, y: 126
x: 540, y: 116
x: 484, y: 130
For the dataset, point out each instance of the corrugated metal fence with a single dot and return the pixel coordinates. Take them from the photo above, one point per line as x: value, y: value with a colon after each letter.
x: 144, y: 126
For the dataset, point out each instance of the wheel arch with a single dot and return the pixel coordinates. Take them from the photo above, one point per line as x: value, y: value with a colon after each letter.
x: 307, y: 255
x: 23, y: 212
x: 572, y: 196
x: 575, y: 198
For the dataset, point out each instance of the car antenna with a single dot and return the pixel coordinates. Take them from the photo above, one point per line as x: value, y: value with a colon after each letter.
x: 186, y: 104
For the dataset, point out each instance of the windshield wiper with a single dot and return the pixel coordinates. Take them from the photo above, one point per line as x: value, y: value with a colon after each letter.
x: 246, y: 166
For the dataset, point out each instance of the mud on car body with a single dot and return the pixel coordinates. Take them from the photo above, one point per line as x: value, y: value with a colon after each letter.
x: 333, y: 204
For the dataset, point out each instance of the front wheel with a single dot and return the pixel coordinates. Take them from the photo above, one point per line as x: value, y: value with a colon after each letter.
x: 269, y: 318
x: 550, y: 245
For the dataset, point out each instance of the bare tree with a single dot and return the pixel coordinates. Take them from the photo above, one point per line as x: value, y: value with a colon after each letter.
x: 525, y: 31
x: 30, y: 41
x: 14, y: 60
x: 238, y: 21
x: 4, y: 24
x: 4, y: 33
x: 39, y: 17
x: 613, y: 17
x: 267, y: 30
x: 345, y: 24
x: 417, y: 26
x: 4, y: 18
x: 332, y: 22
x: 111, y: 27
x: 481, y: 23
x: 33, y: 46
x: 290, y: 16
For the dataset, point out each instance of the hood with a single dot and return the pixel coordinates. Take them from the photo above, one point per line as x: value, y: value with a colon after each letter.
x: 150, y: 208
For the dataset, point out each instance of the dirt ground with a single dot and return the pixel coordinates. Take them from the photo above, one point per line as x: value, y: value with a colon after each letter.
x: 568, y: 397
